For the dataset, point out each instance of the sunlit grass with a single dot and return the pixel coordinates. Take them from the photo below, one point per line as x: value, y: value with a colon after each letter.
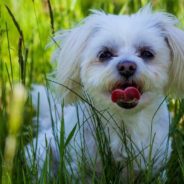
x: 14, y: 124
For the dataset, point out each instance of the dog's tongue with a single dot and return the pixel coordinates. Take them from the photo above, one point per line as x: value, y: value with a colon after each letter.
x: 128, y: 95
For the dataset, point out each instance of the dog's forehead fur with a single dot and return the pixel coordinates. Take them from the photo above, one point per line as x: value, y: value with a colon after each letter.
x: 145, y: 17
x: 117, y: 35
x: 144, y: 28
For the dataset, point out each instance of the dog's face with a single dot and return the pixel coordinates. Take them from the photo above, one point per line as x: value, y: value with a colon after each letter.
x: 124, y: 53
x: 123, y: 60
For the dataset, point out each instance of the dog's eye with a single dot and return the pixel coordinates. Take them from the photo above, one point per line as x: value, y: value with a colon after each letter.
x: 105, y: 55
x: 146, y: 54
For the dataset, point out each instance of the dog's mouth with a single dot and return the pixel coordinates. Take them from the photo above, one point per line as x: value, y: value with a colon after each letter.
x: 126, y: 95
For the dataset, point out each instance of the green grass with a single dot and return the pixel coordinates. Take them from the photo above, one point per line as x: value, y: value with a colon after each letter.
x: 26, y: 27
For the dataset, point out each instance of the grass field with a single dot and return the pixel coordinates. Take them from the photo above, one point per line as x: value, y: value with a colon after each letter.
x: 26, y: 27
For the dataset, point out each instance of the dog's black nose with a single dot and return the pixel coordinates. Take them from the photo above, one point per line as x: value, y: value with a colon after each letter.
x: 126, y: 68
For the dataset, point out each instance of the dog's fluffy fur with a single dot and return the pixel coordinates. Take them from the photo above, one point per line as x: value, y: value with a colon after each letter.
x: 83, y: 70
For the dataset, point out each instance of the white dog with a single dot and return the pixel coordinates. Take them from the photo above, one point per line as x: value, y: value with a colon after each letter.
x: 116, y: 70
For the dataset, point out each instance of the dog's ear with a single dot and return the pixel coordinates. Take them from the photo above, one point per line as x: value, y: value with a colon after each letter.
x: 68, y: 57
x: 68, y: 64
x: 175, y: 39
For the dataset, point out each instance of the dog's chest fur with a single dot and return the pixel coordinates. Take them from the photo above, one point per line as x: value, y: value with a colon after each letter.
x: 143, y: 133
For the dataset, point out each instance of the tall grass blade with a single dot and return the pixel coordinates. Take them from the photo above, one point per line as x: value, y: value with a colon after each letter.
x: 15, y: 22
x: 51, y: 16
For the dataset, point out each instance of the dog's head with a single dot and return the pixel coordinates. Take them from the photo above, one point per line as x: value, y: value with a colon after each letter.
x: 123, y: 59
